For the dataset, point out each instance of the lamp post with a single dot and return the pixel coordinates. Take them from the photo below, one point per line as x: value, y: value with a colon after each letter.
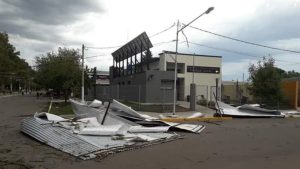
x: 82, y: 74
x: 175, y: 70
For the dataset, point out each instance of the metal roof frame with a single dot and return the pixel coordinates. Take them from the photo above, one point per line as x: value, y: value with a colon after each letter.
x: 133, y: 47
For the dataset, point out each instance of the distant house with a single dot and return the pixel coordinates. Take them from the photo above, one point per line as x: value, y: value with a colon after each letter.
x: 99, y: 88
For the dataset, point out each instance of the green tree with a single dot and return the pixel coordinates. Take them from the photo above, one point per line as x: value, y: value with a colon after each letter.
x: 60, y: 71
x: 12, y: 67
x: 265, y: 81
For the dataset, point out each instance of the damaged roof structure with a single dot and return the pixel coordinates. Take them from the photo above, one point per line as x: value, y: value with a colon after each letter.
x: 100, y: 130
x: 246, y: 110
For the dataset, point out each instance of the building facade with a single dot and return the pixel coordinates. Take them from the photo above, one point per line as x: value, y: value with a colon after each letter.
x: 137, y: 76
x: 203, y: 70
x: 155, y: 84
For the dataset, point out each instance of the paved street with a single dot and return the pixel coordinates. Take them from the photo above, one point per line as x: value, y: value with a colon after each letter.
x: 239, y: 143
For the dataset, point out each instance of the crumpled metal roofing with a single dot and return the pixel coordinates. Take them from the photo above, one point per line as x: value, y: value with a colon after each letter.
x: 122, y: 114
x: 84, y: 146
x: 64, y: 134
x: 57, y: 137
x: 247, y: 111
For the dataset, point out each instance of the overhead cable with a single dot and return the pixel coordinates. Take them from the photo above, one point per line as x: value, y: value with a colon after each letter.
x: 118, y: 46
x: 237, y: 52
x: 247, y: 42
x: 165, y: 30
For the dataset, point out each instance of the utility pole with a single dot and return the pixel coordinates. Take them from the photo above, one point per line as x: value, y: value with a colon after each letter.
x: 193, y: 89
x: 95, y: 82
x: 175, y: 72
x: 82, y: 76
x: 176, y: 52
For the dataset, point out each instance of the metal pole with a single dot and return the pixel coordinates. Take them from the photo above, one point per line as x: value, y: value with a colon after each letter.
x: 95, y: 83
x: 217, y: 84
x: 175, y: 71
x: 102, y: 122
x: 194, y: 68
x: 82, y: 75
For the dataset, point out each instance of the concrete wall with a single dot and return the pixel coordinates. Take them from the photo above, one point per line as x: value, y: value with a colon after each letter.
x: 155, y: 92
x: 150, y: 81
x: 144, y: 87
x: 131, y: 87
x: 200, y: 79
x: 235, y: 91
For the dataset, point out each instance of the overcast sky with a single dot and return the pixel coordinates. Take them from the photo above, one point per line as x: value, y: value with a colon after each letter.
x: 39, y: 26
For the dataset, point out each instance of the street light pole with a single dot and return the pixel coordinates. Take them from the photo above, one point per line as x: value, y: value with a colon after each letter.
x: 82, y: 75
x: 175, y: 71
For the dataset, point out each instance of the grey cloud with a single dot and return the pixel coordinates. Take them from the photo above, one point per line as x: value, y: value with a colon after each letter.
x: 35, y: 32
x: 51, y: 12
x: 267, y: 26
x: 273, y: 24
x: 41, y: 19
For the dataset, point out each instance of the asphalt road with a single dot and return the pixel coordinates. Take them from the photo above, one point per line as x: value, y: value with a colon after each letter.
x: 239, y: 143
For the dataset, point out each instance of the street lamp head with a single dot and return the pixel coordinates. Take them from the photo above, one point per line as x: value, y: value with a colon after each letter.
x: 209, y: 10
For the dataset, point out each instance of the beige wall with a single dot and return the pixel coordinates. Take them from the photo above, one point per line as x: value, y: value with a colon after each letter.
x: 236, y: 90
x: 207, y: 79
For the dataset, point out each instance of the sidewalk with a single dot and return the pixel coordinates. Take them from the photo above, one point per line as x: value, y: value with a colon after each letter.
x: 9, y: 95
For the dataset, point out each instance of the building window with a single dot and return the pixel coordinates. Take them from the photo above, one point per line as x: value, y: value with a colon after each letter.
x: 129, y: 82
x: 171, y: 67
x: 203, y: 69
x: 166, y: 84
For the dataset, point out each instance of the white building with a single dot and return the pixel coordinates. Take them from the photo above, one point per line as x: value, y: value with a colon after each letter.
x: 203, y: 70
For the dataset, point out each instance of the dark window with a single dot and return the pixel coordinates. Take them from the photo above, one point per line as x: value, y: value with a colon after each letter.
x: 203, y: 69
x: 166, y: 84
x: 129, y: 82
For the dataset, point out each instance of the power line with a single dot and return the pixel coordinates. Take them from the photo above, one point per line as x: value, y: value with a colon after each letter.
x: 108, y: 47
x: 94, y: 56
x: 156, y: 44
x: 165, y: 30
x: 238, y: 52
x: 251, y: 43
x: 222, y: 49
x: 161, y: 43
x: 118, y: 46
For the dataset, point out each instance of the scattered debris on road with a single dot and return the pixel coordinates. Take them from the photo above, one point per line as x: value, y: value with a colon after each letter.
x: 246, y: 111
x: 100, y: 130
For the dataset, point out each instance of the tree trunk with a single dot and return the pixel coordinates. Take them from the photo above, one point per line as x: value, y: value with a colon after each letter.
x: 66, y: 95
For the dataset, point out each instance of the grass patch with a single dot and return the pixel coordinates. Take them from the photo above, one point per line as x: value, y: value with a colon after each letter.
x: 155, y: 108
x: 60, y: 108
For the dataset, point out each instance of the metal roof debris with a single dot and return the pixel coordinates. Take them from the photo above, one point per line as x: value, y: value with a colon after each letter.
x: 246, y: 111
x: 85, y: 137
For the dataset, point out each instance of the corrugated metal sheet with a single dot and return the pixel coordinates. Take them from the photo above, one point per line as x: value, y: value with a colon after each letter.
x: 119, y: 113
x: 57, y: 137
x: 246, y: 111
x: 84, y: 146
x: 82, y: 110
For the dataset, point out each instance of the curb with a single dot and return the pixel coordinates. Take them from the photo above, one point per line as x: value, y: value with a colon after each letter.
x: 199, y: 119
